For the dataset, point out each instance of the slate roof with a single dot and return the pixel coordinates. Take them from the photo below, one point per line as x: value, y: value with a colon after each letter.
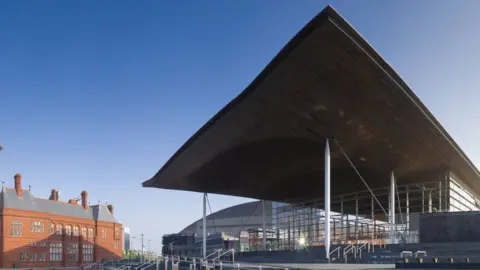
x: 10, y: 200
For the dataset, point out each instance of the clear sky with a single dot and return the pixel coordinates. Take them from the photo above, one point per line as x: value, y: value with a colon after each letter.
x: 97, y: 95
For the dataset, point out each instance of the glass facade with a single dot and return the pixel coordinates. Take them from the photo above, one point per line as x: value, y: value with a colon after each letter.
x: 459, y: 198
x: 363, y: 217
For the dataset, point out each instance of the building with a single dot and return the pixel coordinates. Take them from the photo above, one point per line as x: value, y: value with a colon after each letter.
x: 126, y: 239
x: 226, y: 228
x: 38, y: 232
x: 333, y: 134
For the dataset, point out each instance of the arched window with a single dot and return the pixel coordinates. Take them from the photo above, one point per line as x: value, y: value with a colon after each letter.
x: 84, y: 231
x: 68, y: 230
x: 90, y: 233
x: 51, y: 228
x: 76, y: 231
x: 59, y: 229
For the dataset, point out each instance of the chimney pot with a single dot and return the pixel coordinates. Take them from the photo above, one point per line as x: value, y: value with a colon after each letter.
x: 18, y: 184
x: 54, y: 195
x: 84, y: 200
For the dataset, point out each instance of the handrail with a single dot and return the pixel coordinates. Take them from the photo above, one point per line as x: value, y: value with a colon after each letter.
x: 335, y: 250
x: 150, y: 263
x: 346, y: 250
x: 359, y: 248
x: 232, y: 251
x: 213, y: 253
x: 141, y: 266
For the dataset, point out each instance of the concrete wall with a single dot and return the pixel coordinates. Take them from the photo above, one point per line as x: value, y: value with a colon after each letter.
x: 450, y: 227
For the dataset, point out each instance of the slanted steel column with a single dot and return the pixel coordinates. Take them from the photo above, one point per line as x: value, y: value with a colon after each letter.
x: 204, y: 253
x: 392, y: 204
x: 264, y: 227
x: 327, y: 200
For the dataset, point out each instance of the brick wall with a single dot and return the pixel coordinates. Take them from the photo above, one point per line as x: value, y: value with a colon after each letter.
x: 11, y: 246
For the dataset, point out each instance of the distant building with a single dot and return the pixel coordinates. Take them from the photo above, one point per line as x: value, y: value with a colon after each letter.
x: 126, y: 239
x: 232, y: 227
x: 40, y: 232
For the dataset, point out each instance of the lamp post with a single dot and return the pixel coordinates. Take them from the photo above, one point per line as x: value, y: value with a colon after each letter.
x: 148, y: 249
x: 131, y: 245
x: 141, y: 259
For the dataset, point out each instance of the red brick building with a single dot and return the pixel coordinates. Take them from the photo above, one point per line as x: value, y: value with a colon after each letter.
x: 37, y: 232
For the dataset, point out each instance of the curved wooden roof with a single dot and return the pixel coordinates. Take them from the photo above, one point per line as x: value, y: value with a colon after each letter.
x: 327, y: 81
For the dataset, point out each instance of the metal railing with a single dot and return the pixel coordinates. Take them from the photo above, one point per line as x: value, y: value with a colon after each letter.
x: 230, y: 251
x: 337, y: 250
x: 349, y: 249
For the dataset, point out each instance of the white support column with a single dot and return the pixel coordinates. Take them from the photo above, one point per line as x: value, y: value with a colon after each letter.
x: 264, y: 227
x: 440, y: 196
x: 327, y: 200
x: 407, y: 199
x: 430, y: 208
x: 204, y: 246
x: 392, y: 205
x: 423, y: 199
x: 356, y: 217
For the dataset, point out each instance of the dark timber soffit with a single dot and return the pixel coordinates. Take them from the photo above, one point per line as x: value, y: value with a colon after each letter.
x: 268, y: 142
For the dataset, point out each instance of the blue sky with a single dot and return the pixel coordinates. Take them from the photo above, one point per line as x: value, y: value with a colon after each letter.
x: 97, y: 95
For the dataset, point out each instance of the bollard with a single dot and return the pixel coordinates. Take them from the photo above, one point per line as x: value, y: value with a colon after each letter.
x: 435, y: 260
x: 451, y: 260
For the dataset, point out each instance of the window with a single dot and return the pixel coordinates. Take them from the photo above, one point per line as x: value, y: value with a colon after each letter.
x: 68, y: 230
x: 76, y: 231
x: 51, y: 228
x: 115, y: 244
x: 59, y: 229
x: 37, y: 226
x: 72, y: 252
x: 88, y: 252
x: 42, y: 244
x: 23, y: 256
x: 90, y: 233
x: 33, y: 257
x: 55, y: 252
x: 16, y: 229
x: 117, y: 233
x: 42, y: 257
x: 84, y: 231
x: 104, y: 234
x: 33, y: 244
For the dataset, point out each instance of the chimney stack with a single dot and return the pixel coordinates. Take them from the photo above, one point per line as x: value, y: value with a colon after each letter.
x: 110, y: 208
x: 53, y: 195
x: 84, y: 200
x: 18, y: 184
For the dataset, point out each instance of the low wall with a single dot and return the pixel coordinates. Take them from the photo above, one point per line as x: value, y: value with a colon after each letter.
x: 450, y: 227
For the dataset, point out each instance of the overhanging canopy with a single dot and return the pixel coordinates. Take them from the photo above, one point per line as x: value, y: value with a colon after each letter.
x: 328, y: 81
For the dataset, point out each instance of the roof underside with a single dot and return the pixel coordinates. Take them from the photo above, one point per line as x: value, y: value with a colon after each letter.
x: 268, y: 143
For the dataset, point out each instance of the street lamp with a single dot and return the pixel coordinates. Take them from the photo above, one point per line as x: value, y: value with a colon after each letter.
x: 142, y: 249
x: 131, y: 246
x: 148, y: 249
